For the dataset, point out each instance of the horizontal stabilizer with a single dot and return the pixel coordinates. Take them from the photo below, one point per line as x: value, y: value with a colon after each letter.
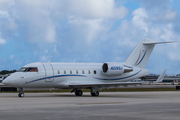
x: 153, y: 43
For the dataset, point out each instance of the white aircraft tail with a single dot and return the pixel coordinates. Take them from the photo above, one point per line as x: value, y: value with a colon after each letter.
x: 161, y: 77
x: 140, y: 55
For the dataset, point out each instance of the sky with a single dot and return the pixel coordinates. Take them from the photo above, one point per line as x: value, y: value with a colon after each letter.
x: 88, y: 31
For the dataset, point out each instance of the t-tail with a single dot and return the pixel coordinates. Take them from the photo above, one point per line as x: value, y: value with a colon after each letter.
x: 140, y: 55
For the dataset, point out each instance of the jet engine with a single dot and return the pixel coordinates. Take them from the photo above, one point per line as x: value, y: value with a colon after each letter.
x: 115, y: 69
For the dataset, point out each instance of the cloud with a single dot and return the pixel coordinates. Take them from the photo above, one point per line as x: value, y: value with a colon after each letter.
x: 11, y: 57
x: 167, y: 15
x: 168, y: 32
x: 2, y: 41
x: 139, y: 18
x: 174, y: 56
x: 89, y: 29
x: 39, y: 21
x: 160, y: 11
x: 85, y: 30
x: 3, y: 14
x: 93, y: 9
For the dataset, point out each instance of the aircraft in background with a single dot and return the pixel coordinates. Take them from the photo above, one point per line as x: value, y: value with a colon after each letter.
x: 161, y: 77
x: 77, y: 76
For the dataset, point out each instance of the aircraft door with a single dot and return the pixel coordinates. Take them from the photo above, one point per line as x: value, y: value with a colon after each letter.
x: 49, y: 72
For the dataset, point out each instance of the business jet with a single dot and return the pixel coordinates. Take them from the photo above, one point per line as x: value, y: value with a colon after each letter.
x: 160, y: 79
x: 77, y: 76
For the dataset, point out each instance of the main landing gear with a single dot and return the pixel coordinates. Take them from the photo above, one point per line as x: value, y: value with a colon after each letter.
x: 77, y: 92
x: 21, y: 92
x: 94, y: 92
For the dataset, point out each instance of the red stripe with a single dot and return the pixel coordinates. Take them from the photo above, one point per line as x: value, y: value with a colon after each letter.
x: 138, y: 58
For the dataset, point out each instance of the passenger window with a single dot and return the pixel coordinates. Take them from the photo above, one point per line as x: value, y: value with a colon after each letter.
x: 94, y: 71
x: 58, y: 72
x: 76, y: 71
x: 70, y: 71
x: 89, y: 71
x: 64, y: 72
x: 82, y: 71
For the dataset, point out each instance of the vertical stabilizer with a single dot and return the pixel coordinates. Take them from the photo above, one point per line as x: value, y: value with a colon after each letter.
x: 140, y: 55
x: 161, y: 77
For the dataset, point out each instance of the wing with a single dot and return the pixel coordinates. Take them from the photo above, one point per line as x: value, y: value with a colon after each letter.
x: 103, y: 85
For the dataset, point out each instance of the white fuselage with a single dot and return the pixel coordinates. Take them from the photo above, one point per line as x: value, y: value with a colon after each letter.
x: 60, y: 75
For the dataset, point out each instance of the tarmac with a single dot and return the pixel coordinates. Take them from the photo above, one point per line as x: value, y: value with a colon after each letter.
x: 109, y: 105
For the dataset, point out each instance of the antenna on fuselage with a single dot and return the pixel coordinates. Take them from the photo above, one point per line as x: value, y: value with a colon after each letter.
x: 74, y: 61
x: 49, y: 61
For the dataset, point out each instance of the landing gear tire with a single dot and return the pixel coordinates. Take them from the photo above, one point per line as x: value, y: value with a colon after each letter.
x: 95, y: 93
x: 21, y: 92
x: 20, y: 95
x: 78, y: 93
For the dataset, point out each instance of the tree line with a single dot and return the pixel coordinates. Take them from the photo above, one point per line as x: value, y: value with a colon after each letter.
x: 3, y: 72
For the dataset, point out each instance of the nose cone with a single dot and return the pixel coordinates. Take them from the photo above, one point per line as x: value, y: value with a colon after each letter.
x: 6, y: 81
x: 10, y: 80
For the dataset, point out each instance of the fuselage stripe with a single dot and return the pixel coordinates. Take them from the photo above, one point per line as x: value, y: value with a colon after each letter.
x: 141, y: 59
x: 56, y: 76
x: 119, y: 78
x: 138, y: 58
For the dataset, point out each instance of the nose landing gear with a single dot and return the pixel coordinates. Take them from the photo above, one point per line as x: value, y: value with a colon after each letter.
x: 21, y: 92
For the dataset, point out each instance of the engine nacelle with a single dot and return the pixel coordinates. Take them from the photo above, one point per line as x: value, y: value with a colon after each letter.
x: 115, y: 69
x: 112, y: 69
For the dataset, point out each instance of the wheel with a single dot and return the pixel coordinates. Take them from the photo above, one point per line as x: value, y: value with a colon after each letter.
x: 79, y: 93
x: 21, y: 95
x: 76, y: 93
x: 95, y: 93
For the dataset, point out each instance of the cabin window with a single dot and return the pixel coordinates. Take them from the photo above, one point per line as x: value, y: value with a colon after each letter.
x: 64, y: 72
x: 89, y: 71
x: 94, y: 71
x: 70, y: 71
x: 28, y: 69
x: 58, y: 72
x: 82, y: 71
x: 76, y: 71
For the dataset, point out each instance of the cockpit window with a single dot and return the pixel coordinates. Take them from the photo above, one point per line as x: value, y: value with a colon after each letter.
x: 28, y: 69
x: 22, y: 69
